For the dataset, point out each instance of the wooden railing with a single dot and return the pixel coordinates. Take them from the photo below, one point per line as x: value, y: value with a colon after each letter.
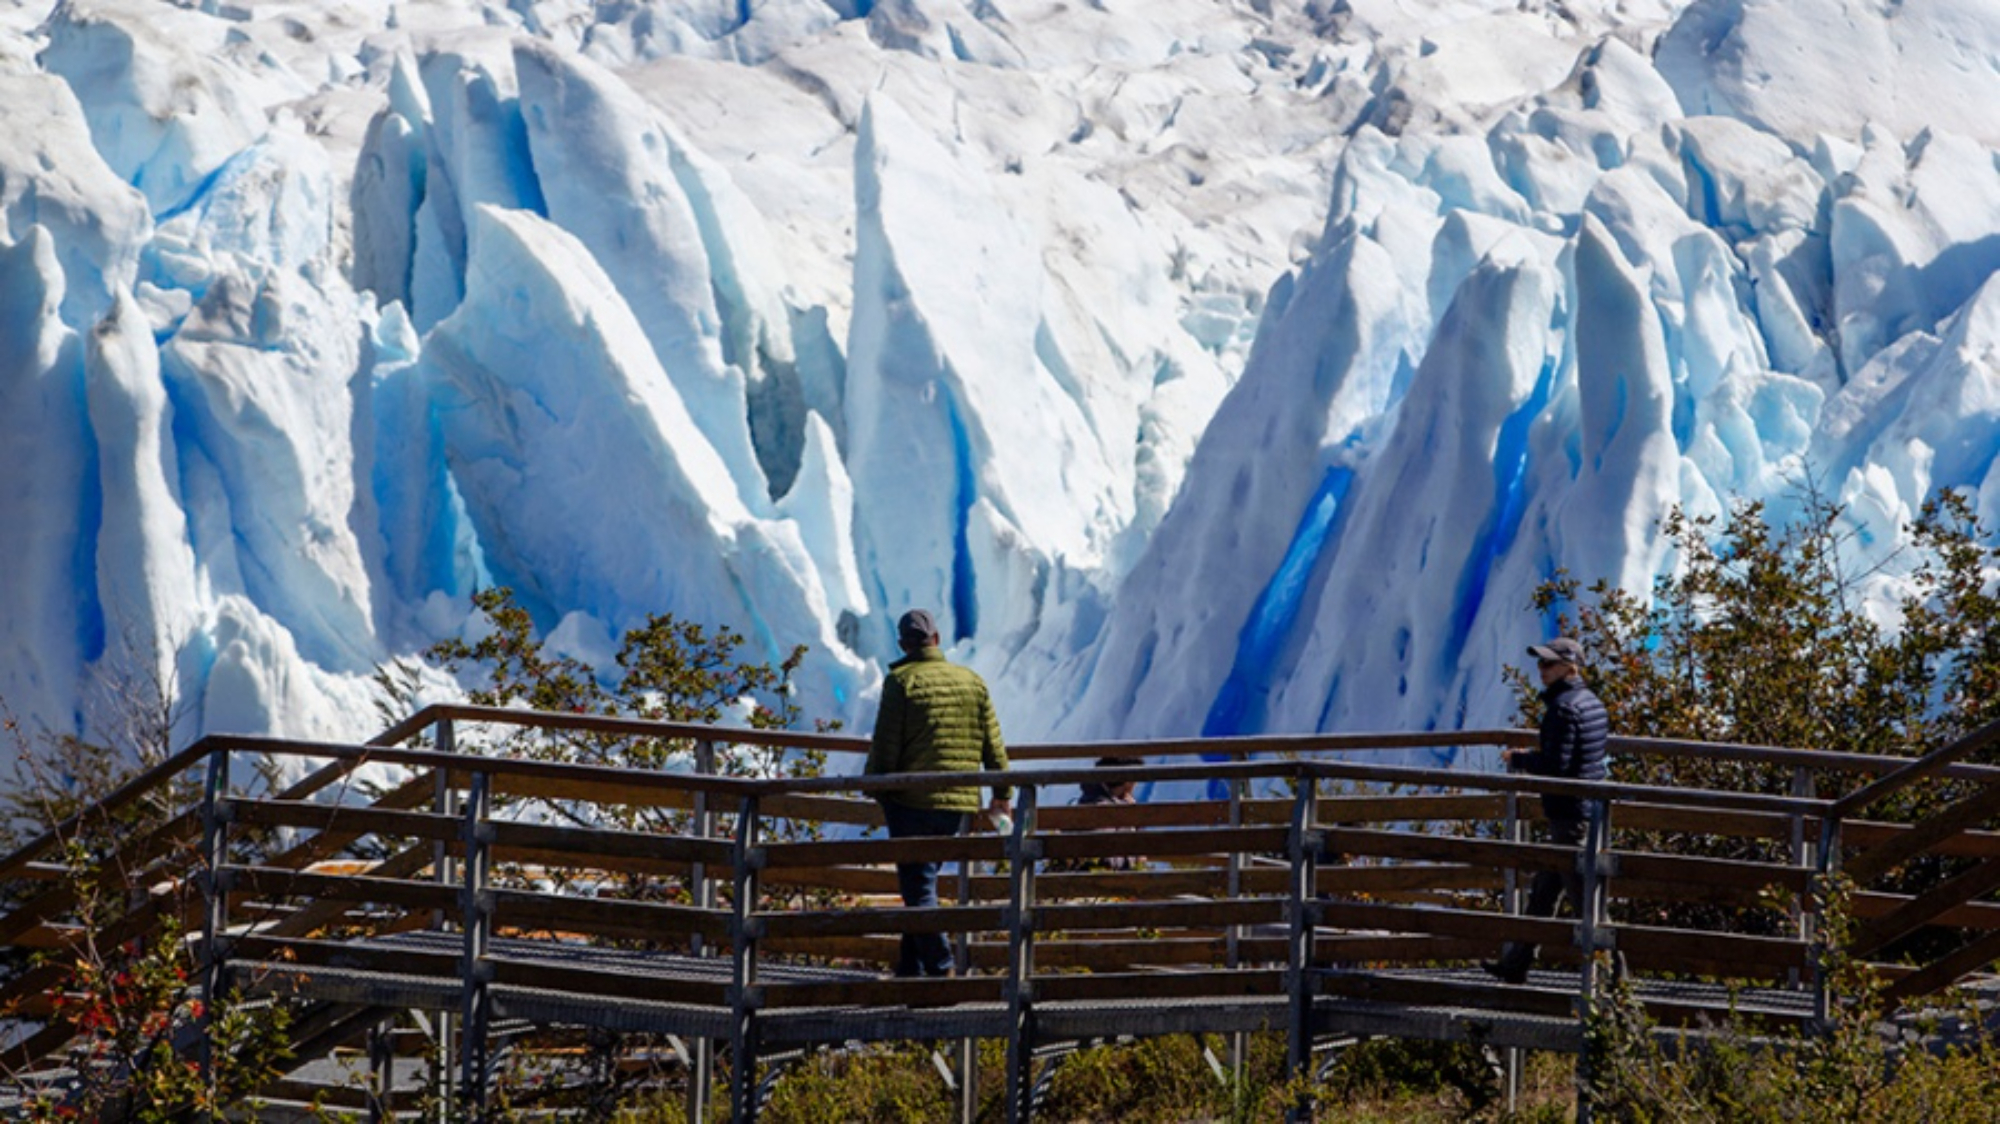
x: 1262, y: 905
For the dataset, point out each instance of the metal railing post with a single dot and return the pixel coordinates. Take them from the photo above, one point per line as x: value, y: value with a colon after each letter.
x: 701, y: 895
x: 743, y: 999
x: 1303, y: 844
x: 1239, y: 1042
x: 215, y: 912
x: 475, y: 907
x: 1022, y: 854
x: 1593, y: 869
x: 381, y: 1073
x: 444, y: 802
x: 968, y: 1051
x: 1828, y: 863
x: 1513, y: 831
x: 1804, y: 854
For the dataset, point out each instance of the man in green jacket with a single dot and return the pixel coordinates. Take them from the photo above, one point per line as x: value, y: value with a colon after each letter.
x: 935, y: 717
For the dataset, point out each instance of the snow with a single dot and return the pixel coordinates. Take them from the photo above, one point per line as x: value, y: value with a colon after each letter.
x: 1207, y: 366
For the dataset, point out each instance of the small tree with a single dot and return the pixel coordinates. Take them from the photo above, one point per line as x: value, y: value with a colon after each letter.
x: 669, y: 670
x: 1758, y: 635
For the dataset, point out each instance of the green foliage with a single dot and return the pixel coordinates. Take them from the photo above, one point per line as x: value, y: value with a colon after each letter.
x: 142, y: 1025
x: 1757, y: 637
x: 669, y: 670
x: 1742, y: 1074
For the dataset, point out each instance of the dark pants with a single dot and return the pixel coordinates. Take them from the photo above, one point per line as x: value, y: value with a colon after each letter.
x: 1550, y: 885
x: 924, y: 954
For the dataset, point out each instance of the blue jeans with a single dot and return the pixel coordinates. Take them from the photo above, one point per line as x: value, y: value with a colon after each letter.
x: 924, y: 954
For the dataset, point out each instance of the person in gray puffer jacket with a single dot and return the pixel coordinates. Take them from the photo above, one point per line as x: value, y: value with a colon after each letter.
x: 1571, y: 745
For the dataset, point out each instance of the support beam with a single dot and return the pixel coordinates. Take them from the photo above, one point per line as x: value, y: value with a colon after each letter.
x: 1021, y: 860
x: 743, y: 1089
x: 475, y: 973
x: 1303, y: 846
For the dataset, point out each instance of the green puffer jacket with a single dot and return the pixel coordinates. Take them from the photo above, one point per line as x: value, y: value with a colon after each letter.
x: 936, y: 717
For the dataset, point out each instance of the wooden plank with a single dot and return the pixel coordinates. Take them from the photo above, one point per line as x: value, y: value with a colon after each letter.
x: 1664, y: 946
x: 313, y: 915
x: 407, y: 893
x: 854, y: 852
x: 1385, y: 879
x: 1929, y: 765
x: 585, y: 844
x: 1925, y: 908
x: 1862, y: 834
x: 354, y: 820
x: 1368, y: 948
x: 134, y: 861
x: 1221, y: 840
x: 1409, y: 809
x: 399, y: 960
x: 1348, y: 841
x: 41, y: 1044
x: 1946, y: 970
x: 1695, y: 870
x: 551, y: 861
x: 1641, y: 816
x: 1968, y: 813
x: 589, y: 790
x: 117, y: 800
x: 657, y: 987
x: 883, y: 993
x: 1282, y: 744
x: 900, y: 919
x: 1443, y: 922
x: 1159, y: 915
x: 1155, y: 986
x: 606, y: 917
x: 1178, y: 813
x: 1982, y: 916
x: 1421, y: 992
x: 411, y: 793
x: 842, y: 879
x: 1115, y: 955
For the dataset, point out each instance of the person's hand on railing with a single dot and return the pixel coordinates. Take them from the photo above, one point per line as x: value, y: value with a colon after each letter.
x: 1000, y: 815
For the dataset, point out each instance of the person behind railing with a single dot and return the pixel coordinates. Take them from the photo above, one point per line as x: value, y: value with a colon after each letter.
x: 934, y: 717
x: 1092, y: 793
x: 1571, y: 745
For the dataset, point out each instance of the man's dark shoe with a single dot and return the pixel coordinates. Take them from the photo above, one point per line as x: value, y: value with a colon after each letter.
x: 1503, y: 973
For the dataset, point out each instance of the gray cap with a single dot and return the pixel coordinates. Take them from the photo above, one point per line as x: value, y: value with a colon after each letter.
x: 1562, y: 650
x: 916, y: 629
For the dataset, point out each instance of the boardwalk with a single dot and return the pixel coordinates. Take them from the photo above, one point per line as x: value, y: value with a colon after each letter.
x: 1331, y: 896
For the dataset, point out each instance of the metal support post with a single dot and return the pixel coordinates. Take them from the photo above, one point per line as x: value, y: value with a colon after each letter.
x: 968, y: 1049
x: 1239, y: 1042
x: 475, y: 907
x: 1804, y: 854
x: 1829, y: 868
x: 701, y: 895
x: 1022, y: 853
x: 743, y: 1098
x: 444, y: 802
x: 1303, y: 844
x: 215, y: 890
x: 381, y: 1072
x: 1513, y: 831
x: 1592, y: 868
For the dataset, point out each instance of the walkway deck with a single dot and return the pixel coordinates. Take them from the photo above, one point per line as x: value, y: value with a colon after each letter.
x: 1330, y: 897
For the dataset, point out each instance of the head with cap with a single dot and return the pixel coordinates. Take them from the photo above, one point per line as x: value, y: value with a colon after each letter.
x: 916, y: 630
x: 1558, y: 658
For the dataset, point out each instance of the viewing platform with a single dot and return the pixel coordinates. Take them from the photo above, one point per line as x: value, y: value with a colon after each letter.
x: 433, y: 928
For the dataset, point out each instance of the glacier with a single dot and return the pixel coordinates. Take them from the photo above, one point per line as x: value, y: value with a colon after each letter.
x: 1209, y: 367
